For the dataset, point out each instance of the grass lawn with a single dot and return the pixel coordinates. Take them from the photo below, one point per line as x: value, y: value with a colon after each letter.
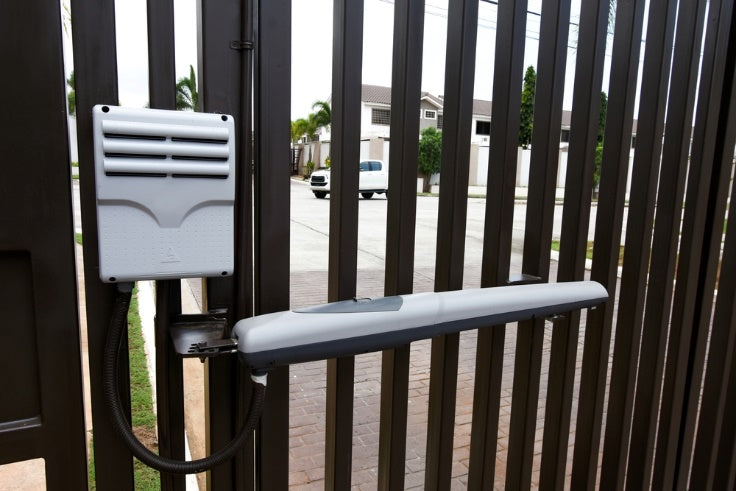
x: 589, y: 251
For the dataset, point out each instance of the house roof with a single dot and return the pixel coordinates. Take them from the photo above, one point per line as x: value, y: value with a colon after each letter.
x: 377, y: 94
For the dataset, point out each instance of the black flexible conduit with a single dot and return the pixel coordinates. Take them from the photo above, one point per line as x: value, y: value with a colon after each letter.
x: 118, y: 323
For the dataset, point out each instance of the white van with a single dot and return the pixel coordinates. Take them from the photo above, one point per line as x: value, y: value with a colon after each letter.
x: 373, y: 179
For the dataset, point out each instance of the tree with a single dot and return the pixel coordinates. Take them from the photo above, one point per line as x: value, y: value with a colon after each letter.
x: 599, y: 146
x: 297, y: 130
x: 310, y: 128
x: 527, y: 107
x: 71, y: 97
x: 304, y: 127
x: 597, y: 170
x: 323, y: 114
x: 602, y: 116
x: 430, y: 153
x: 187, y: 97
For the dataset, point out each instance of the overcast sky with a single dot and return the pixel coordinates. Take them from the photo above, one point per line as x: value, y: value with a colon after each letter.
x: 312, y: 48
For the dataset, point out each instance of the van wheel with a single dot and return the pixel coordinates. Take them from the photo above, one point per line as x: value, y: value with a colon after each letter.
x: 320, y: 194
x: 366, y: 195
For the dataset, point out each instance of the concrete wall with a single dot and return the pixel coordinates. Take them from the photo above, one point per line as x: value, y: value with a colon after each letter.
x: 72, y: 124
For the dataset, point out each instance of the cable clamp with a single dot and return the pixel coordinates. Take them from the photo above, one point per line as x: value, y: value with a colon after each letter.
x: 241, y: 45
x: 259, y: 377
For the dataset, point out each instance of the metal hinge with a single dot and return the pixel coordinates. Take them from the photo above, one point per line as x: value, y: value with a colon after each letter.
x: 213, y: 347
x: 202, y: 335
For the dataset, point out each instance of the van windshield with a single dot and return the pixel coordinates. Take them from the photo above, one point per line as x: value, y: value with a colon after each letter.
x: 370, y: 165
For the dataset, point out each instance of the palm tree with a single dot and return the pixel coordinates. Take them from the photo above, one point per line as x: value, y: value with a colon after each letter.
x: 297, y: 130
x: 71, y: 97
x: 187, y: 97
x: 323, y: 114
x: 308, y: 127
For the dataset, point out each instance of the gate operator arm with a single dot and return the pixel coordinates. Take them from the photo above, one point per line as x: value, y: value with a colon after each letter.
x: 363, y: 325
x: 165, y: 198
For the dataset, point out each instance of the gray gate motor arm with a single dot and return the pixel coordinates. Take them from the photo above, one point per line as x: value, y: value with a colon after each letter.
x: 364, y: 325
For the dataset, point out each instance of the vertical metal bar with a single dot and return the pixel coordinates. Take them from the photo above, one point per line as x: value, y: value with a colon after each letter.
x: 169, y: 382
x: 273, y: 108
x: 725, y: 471
x: 161, y: 70
x: 462, y: 26
x: 574, y: 229
x: 549, y: 93
x: 499, y: 213
x: 347, y: 62
x: 169, y: 377
x: 486, y: 398
x: 400, y: 231
x: 689, y: 297
x: 705, y: 223
x: 723, y: 335
x: 42, y: 408
x: 218, y: 25
x: 95, y: 73
x: 614, y: 169
x: 650, y: 128
x: 245, y: 461
x: 676, y: 145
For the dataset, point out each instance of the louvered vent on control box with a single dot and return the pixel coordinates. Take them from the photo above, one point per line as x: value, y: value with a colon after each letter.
x: 160, y: 149
x: 165, y: 185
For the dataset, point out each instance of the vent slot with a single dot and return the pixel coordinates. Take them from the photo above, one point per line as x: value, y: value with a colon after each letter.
x: 200, y: 176
x: 206, y: 159
x: 199, y: 140
x: 133, y: 174
x: 135, y: 137
x: 133, y: 156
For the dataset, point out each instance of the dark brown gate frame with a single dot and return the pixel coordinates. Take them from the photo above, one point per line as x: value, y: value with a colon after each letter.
x: 41, y: 410
x: 263, y: 285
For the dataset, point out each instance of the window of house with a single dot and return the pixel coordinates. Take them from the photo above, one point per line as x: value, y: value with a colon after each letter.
x: 565, y: 136
x: 429, y: 114
x: 482, y: 127
x: 440, y: 121
x: 381, y: 116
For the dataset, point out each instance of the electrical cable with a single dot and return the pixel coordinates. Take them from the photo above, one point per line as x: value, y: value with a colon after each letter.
x: 118, y: 323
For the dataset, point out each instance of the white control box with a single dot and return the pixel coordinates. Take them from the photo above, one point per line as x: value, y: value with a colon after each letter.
x: 165, y: 193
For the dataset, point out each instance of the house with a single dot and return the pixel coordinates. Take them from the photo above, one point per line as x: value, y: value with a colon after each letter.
x: 376, y: 113
x: 376, y: 116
